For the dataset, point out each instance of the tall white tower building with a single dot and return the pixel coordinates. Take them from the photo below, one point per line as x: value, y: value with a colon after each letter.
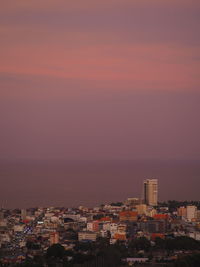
x: 151, y: 192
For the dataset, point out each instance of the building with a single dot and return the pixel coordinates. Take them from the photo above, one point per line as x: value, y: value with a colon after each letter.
x: 121, y: 228
x: 93, y: 226
x: 1, y: 215
x: 198, y: 215
x: 120, y: 236
x: 54, y: 238
x: 191, y: 213
x: 87, y: 236
x: 132, y: 201
x: 195, y: 235
x: 153, y: 226
x: 182, y: 211
x: 160, y: 216
x: 18, y: 228
x: 23, y: 214
x: 151, y: 192
x: 141, y: 209
x: 128, y: 216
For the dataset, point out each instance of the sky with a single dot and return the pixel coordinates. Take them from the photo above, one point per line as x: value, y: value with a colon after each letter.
x: 109, y: 79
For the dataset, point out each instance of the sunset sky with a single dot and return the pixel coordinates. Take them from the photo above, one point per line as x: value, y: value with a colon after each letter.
x: 100, y: 79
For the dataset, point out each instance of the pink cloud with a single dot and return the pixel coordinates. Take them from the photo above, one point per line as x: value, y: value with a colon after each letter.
x: 157, y: 66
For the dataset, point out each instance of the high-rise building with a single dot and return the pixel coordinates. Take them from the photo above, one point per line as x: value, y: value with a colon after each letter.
x: 23, y: 214
x: 191, y: 212
x: 151, y: 192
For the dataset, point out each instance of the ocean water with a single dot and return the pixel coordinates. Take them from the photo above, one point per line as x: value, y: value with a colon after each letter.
x: 73, y: 183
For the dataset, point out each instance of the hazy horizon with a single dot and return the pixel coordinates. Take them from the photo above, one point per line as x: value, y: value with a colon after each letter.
x: 73, y: 183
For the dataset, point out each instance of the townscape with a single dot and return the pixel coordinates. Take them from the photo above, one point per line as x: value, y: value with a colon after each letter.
x: 136, y: 232
x: 99, y: 133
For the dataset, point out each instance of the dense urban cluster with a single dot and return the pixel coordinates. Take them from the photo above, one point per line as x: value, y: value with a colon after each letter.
x: 129, y: 233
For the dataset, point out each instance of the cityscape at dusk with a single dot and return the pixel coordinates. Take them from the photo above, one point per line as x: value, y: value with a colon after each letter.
x: 99, y: 133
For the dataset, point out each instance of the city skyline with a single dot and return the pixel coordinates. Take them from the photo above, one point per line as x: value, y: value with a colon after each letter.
x: 99, y: 133
x: 130, y: 225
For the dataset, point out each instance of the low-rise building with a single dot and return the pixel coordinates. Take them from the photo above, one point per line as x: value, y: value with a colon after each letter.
x: 87, y: 236
x: 128, y: 216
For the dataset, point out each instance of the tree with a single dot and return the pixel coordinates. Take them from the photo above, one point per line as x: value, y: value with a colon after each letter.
x: 141, y: 243
x: 111, y: 256
x: 188, y: 261
x: 32, y: 245
x: 183, y: 243
x: 56, y: 251
x: 117, y: 204
x: 160, y: 243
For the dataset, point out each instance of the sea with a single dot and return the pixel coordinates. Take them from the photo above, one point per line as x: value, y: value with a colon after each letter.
x: 71, y: 183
